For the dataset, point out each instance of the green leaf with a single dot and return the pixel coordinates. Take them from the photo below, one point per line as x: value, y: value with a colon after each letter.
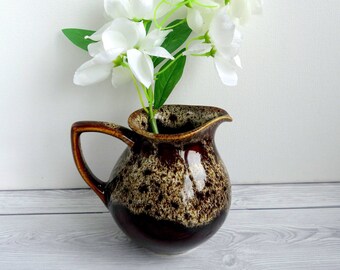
x: 147, y: 25
x: 77, y: 37
x: 167, y: 80
x: 174, y: 39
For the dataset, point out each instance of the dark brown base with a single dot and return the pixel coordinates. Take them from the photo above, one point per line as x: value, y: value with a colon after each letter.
x: 165, y: 237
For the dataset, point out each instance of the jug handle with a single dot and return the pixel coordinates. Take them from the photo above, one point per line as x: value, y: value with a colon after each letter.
x: 122, y: 133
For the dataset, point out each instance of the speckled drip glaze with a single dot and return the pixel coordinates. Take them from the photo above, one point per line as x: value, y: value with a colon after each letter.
x: 176, y: 177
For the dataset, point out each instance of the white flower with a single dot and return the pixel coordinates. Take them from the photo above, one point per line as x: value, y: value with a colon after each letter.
x: 122, y: 45
x: 241, y: 10
x: 133, y: 9
x: 200, y: 14
x: 224, y: 44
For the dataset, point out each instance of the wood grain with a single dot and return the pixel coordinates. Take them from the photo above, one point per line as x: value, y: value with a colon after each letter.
x: 50, y: 202
x: 270, y: 196
x: 280, y: 226
x: 244, y: 197
x: 250, y: 239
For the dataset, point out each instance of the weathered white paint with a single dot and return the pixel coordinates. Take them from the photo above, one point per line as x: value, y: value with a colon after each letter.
x: 258, y: 238
x: 286, y: 106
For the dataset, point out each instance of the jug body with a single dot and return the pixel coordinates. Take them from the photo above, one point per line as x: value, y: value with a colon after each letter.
x: 169, y: 192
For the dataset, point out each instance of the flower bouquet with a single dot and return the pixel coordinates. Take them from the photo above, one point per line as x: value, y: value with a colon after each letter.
x: 142, y: 44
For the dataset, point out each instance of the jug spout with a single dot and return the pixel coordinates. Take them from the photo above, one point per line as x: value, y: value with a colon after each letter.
x: 178, y: 122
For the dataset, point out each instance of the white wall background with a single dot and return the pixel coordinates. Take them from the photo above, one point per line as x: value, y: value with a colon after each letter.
x: 286, y: 108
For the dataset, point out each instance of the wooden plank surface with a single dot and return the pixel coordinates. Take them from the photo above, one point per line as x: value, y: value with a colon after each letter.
x: 280, y: 226
x: 50, y: 202
x: 244, y: 197
x: 297, y: 195
x: 250, y: 239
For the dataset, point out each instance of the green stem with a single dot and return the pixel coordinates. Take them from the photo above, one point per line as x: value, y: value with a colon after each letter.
x: 150, y: 97
x: 192, y: 40
x: 175, y: 25
x: 139, y: 92
x: 151, y: 113
x: 202, y: 54
x: 152, y: 121
x: 155, y: 13
x: 169, y: 13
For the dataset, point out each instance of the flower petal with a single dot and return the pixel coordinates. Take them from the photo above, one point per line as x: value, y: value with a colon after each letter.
x: 95, y: 48
x: 114, y: 40
x: 154, y: 39
x: 209, y: 3
x: 241, y: 10
x: 116, y: 8
x: 141, y: 66
x: 237, y: 61
x: 120, y: 76
x: 93, y: 71
x: 221, y: 29
x: 164, y: 8
x: 141, y: 9
x: 226, y: 71
x: 159, y: 52
x: 132, y: 31
x: 195, y: 20
x: 98, y: 34
x: 231, y: 50
x: 198, y: 48
x: 113, y: 53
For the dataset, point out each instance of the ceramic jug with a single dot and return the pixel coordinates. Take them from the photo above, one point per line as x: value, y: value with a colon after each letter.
x: 169, y: 192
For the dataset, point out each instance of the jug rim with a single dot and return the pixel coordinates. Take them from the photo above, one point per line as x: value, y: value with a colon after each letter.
x: 223, y: 116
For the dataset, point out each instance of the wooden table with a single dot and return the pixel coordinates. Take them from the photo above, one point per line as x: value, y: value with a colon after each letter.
x: 279, y: 226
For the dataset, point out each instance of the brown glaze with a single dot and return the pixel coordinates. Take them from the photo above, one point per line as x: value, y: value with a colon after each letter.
x: 169, y: 192
x: 162, y: 236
